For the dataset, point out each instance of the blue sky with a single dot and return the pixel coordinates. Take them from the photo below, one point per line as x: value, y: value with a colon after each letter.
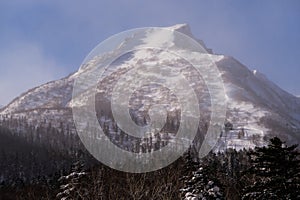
x: 46, y: 40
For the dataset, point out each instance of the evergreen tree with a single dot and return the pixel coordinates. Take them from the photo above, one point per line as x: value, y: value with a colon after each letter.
x: 276, y: 171
x: 202, y: 184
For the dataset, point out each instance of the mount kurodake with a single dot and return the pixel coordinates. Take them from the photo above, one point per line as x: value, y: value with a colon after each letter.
x: 257, y: 108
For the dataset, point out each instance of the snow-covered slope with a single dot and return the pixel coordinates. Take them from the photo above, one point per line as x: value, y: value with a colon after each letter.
x: 257, y: 108
x: 258, y: 105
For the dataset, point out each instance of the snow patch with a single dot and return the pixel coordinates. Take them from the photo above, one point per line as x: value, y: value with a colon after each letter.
x: 157, y: 37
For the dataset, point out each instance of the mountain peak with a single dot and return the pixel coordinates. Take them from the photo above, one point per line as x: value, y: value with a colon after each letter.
x: 182, y: 28
x: 185, y: 29
x: 256, y: 106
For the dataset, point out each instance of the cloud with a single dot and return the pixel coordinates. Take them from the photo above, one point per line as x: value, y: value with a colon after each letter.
x: 23, y: 66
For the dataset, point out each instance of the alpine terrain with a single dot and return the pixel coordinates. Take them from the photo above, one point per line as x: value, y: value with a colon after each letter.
x: 257, y: 109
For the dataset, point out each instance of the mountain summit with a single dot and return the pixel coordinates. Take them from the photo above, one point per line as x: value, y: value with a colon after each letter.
x: 257, y: 108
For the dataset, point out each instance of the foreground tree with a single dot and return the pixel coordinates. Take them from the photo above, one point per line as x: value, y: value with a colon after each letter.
x: 75, y: 185
x: 275, y: 170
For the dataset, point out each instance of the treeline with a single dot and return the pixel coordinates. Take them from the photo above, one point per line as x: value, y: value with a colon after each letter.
x: 34, y: 154
x: 40, y: 161
x: 102, y: 182
x: 271, y: 172
x: 47, y: 162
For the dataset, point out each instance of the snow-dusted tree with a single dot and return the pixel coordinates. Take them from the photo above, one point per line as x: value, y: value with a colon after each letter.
x: 276, y: 170
x: 201, y: 184
x: 74, y: 186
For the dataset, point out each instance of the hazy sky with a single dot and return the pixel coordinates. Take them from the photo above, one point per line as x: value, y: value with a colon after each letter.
x: 46, y: 40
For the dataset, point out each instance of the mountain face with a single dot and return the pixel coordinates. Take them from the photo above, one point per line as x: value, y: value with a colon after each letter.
x: 256, y: 108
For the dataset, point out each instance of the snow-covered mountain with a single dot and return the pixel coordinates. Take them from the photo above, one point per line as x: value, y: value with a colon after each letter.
x: 257, y: 108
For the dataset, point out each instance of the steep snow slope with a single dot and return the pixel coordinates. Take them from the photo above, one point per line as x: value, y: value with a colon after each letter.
x: 257, y: 108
